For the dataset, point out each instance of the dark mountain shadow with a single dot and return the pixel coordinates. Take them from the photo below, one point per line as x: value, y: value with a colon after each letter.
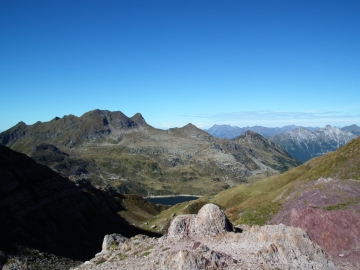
x: 43, y: 210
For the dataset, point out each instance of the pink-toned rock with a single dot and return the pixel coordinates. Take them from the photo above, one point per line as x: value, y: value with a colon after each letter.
x: 338, y: 232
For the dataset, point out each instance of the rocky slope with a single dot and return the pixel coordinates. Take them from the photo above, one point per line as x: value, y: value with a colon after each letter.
x: 304, y: 144
x: 230, y: 132
x: 207, y: 241
x: 50, y: 222
x: 126, y: 153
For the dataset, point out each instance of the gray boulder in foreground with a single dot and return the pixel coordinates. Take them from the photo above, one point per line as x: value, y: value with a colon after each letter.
x: 207, y: 241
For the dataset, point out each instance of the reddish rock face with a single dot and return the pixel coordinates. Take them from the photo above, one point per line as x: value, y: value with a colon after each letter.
x: 338, y: 232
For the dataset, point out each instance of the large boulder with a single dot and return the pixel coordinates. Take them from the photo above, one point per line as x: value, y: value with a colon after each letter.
x: 210, y: 221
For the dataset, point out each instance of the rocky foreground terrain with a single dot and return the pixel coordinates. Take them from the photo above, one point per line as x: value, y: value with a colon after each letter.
x: 208, y: 241
x: 110, y: 148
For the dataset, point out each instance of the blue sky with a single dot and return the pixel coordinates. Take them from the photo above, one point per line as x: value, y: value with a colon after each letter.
x: 242, y: 63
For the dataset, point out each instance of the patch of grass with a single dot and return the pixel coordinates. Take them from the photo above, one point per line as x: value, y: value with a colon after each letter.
x: 259, y: 215
x: 340, y: 206
x: 150, y: 247
x: 101, y: 261
x: 114, y: 245
x: 122, y: 257
x: 146, y: 254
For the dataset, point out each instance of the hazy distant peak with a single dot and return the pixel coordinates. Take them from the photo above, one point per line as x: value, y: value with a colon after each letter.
x: 251, y: 133
x: 305, y: 144
x: 190, y: 127
x: 354, y: 129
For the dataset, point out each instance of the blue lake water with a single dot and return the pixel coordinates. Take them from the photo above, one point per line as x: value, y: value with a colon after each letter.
x: 171, y: 200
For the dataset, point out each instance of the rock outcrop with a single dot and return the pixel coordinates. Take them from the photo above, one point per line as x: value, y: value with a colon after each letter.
x: 210, y: 221
x: 336, y: 231
x: 207, y: 241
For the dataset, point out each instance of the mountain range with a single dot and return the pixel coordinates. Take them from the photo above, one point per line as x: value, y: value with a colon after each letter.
x: 300, y: 142
x: 304, y: 144
x: 110, y: 148
x: 303, y: 218
x: 230, y: 132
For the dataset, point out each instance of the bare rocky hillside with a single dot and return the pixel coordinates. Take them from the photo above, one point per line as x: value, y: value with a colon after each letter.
x: 111, y: 148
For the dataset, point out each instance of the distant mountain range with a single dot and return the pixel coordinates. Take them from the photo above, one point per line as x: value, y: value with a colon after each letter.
x: 354, y: 129
x: 230, y: 132
x: 125, y: 152
x: 304, y: 144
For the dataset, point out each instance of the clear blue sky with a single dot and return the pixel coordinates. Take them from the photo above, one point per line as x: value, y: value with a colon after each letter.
x: 270, y: 63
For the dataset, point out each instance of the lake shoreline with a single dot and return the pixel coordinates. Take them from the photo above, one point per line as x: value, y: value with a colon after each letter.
x: 169, y: 196
x: 171, y: 199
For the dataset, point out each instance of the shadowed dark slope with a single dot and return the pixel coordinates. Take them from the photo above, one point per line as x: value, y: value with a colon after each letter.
x: 44, y: 211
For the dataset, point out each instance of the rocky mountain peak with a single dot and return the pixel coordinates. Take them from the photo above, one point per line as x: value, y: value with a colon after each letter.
x: 190, y: 126
x: 138, y: 119
x: 21, y: 123
x: 189, y: 130
x: 250, y: 133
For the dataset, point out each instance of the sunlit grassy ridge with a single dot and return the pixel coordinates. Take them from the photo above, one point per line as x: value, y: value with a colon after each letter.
x: 257, y: 202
